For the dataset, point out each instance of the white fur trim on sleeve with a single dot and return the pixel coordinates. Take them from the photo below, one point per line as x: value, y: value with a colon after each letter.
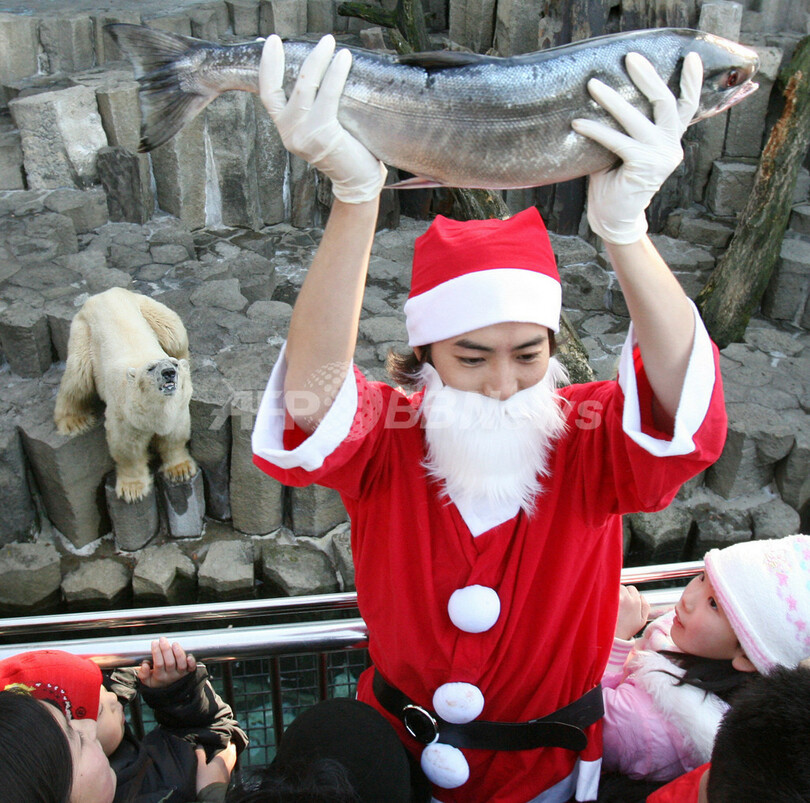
x: 588, y: 773
x: 695, y: 713
x: 696, y: 395
x: 268, y: 431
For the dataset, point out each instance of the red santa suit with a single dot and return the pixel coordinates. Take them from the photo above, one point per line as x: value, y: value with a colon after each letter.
x: 556, y: 571
x: 685, y: 789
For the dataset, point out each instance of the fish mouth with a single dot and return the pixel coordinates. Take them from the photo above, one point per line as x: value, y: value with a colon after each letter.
x: 732, y: 100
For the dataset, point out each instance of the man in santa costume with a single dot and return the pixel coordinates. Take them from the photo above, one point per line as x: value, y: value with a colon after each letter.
x: 485, y: 508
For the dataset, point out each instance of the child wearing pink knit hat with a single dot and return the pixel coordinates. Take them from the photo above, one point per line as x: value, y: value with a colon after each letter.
x: 666, y: 692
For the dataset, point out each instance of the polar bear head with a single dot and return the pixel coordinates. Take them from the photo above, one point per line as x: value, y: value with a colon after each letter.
x: 166, y: 377
x: 157, y: 389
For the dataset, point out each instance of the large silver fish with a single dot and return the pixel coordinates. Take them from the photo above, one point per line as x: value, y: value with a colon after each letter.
x: 449, y: 118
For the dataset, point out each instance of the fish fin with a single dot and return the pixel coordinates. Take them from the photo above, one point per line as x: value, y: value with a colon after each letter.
x: 440, y: 59
x: 415, y: 183
x: 165, y: 106
x: 150, y: 49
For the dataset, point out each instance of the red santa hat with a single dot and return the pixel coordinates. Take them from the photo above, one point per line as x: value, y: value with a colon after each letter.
x: 475, y: 273
x: 70, y: 681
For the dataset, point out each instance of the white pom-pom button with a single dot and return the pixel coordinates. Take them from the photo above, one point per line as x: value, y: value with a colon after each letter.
x: 445, y: 765
x: 458, y: 702
x: 474, y: 609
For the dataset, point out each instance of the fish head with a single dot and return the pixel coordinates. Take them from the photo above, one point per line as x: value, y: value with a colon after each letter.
x: 728, y: 68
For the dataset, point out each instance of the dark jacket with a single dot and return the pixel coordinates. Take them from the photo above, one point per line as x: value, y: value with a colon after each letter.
x: 162, y: 767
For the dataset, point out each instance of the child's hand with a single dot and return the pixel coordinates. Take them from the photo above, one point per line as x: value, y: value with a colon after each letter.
x: 169, y: 664
x: 218, y: 769
x: 633, y: 612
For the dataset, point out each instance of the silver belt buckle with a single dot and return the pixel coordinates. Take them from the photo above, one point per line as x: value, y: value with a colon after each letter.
x: 420, y: 723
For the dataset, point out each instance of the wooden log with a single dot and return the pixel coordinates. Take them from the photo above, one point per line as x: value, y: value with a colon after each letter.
x: 736, y: 286
x: 406, y: 21
x: 572, y: 353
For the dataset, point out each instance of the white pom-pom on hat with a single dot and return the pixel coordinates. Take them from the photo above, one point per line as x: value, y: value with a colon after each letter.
x: 445, y: 765
x: 474, y: 609
x: 458, y: 702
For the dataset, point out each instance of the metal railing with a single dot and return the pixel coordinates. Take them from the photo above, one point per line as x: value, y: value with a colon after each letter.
x: 114, y: 646
x: 274, y: 658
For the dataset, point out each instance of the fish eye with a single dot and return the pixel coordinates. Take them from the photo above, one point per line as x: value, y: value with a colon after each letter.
x: 733, y: 77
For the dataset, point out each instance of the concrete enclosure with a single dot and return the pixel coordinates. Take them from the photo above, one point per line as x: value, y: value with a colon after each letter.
x: 220, y: 225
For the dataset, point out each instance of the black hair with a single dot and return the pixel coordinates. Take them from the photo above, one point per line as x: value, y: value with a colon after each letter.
x: 35, y: 760
x: 760, y: 751
x: 320, y: 781
x: 404, y: 368
x: 712, y: 675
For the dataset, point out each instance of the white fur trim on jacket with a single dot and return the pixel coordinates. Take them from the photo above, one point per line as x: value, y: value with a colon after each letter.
x: 695, y: 713
x: 698, y: 386
x: 268, y: 432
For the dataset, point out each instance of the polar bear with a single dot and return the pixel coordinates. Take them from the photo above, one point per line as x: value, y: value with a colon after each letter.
x: 132, y: 352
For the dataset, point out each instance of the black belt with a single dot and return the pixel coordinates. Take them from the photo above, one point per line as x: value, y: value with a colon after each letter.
x: 562, y: 728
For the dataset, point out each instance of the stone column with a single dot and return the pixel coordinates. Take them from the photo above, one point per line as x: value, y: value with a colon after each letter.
x: 61, y: 132
x: 19, y: 46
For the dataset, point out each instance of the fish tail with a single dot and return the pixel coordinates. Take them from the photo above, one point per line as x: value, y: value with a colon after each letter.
x: 156, y: 58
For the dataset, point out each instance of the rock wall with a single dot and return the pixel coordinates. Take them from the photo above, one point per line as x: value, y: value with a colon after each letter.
x: 227, y: 247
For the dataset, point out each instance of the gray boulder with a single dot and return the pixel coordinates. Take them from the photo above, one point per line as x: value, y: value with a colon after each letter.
x: 316, y: 510
x: 159, y: 573
x: 86, y: 208
x: 61, y: 132
x: 660, y: 537
x: 179, y: 179
x: 25, y: 339
x: 775, y: 519
x: 298, y: 569
x: 69, y: 473
x: 19, y: 518
x: 755, y: 443
x: 96, y: 583
x: 30, y: 575
x: 227, y: 571
x: 720, y: 522
x: 340, y: 540
x: 210, y: 410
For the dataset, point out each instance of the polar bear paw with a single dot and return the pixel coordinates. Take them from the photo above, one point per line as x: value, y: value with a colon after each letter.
x: 75, y: 424
x: 132, y: 490
x: 180, y: 471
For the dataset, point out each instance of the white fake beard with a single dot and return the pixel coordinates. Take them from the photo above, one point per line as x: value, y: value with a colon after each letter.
x: 485, y: 448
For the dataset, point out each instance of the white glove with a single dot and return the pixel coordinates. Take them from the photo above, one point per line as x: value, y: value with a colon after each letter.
x: 308, y: 123
x: 649, y: 150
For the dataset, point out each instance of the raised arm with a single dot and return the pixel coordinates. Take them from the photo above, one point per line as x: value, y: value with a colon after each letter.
x: 650, y: 150
x: 323, y: 330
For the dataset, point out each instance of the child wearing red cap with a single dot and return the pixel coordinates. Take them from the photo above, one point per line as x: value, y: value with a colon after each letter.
x: 48, y: 758
x: 70, y: 682
x: 486, y: 507
x: 191, y: 753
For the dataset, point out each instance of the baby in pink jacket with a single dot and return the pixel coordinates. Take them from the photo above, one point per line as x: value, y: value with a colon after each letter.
x: 666, y: 691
